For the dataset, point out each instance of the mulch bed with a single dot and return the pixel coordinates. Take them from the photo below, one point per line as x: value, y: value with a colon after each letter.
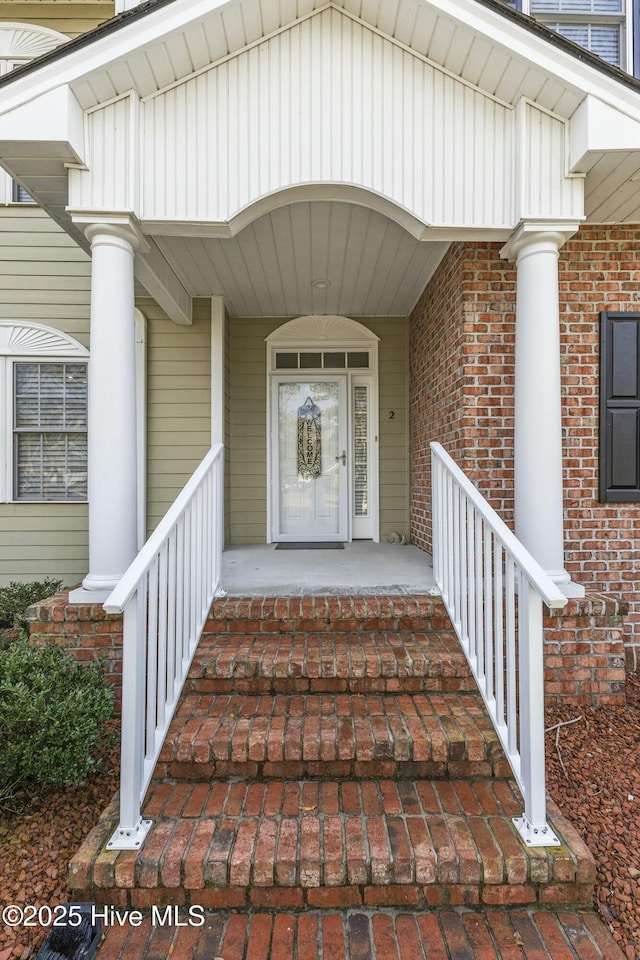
x: 600, y: 753
x: 36, y: 845
x: 600, y: 794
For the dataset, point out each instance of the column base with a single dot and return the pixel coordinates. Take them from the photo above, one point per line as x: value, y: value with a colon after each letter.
x: 573, y: 590
x: 81, y: 595
x: 568, y: 586
x: 94, y: 589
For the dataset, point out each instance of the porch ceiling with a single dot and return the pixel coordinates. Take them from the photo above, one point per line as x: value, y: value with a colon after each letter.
x: 373, y: 265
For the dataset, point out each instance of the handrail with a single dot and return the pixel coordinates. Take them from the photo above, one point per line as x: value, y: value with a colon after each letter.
x: 122, y: 593
x: 165, y: 596
x: 493, y: 590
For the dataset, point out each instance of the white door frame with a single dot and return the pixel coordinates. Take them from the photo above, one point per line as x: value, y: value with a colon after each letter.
x: 327, y: 333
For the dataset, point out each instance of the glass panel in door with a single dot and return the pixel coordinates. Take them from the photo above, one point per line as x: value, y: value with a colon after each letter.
x: 311, y: 488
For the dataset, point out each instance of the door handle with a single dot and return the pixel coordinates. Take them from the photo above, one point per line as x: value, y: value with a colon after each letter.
x: 342, y: 456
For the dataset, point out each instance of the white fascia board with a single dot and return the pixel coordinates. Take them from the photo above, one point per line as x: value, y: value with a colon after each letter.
x: 597, y: 128
x: 54, y: 117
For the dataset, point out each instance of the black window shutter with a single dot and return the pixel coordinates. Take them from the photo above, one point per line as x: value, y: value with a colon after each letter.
x: 619, y: 407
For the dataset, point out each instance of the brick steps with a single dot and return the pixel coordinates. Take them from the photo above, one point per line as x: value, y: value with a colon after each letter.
x: 365, y: 934
x: 334, y: 735
x: 363, y: 661
x: 327, y: 613
x: 298, y: 844
x: 305, y: 770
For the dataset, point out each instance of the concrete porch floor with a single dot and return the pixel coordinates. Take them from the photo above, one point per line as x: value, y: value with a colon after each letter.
x: 362, y: 567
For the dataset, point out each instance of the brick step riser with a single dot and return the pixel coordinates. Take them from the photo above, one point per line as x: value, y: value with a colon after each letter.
x: 412, y: 898
x: 273, y: 686
x: 340, y: 613
x: 363, y: 662
x: 424, y: 736
x: 335, y: 769
x: 431, y: 624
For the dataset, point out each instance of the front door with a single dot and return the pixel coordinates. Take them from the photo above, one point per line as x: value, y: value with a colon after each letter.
x: 309, y: 451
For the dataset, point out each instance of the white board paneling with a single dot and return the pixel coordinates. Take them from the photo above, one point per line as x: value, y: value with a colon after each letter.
x: 110, y: 181
x: 329, y: 100
x: 374, y: 266
x: 542, y: 150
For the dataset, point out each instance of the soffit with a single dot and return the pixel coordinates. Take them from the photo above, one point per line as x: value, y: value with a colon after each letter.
x: 175, y: 39
x: 452, y: 43
x: 375, y: 268
x: 612, y: 193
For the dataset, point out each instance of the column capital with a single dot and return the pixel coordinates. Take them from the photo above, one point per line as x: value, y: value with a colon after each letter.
x: 538, y: 235
x: 112, y: 227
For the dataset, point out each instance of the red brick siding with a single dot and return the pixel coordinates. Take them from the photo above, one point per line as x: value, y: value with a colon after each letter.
x: 584, y: 652
x: 84, y: 630
x: 599, y: 270
x: 436, y: 378
x: 461, y: 376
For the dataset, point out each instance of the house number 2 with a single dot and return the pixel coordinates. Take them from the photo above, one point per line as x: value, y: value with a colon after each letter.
x: 392, y: 414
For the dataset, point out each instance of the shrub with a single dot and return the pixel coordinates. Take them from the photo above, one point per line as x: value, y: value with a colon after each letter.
x: 53, y: 715
x: 16, y: 597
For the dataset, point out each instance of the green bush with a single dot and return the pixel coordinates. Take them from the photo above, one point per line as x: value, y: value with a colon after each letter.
x: 16, y: 597
x: 53, y: 716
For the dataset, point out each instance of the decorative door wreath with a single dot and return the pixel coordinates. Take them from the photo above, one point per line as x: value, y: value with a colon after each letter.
x: 309, y: 441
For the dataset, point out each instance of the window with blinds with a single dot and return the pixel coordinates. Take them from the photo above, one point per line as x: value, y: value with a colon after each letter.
x: 50, y: 431
x: 597, y: 25
x: 603, y: 39
x: 19, y: 194
x: 360, y: 451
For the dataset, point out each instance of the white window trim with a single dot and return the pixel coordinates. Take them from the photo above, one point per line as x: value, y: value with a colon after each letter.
x: 24, y: 342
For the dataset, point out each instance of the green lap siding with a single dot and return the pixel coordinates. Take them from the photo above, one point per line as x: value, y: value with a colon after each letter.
x: 44, y: 278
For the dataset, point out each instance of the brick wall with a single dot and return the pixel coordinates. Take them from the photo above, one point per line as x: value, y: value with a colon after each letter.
x: 436, y: 377
x: 584, y: 652
x: 599, y: 270
x: 84, y: 630
x: 461, y: 376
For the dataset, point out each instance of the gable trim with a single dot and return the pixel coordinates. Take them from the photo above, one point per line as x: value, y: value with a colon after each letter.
x: 151, y: 21
x: 318, y: 11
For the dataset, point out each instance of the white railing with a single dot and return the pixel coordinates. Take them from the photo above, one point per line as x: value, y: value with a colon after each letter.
x: 494, y: 590
x: 165, y: 595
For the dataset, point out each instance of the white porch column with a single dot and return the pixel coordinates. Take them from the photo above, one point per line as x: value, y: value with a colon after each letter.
x: 112, y: 408
x: 539, y: 521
